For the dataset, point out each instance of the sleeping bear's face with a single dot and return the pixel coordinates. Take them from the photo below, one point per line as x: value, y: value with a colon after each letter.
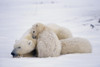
x: 22, y: 47
x: 36, y: 29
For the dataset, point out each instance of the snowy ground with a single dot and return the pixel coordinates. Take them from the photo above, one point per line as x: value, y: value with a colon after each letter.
x: 16, y: 16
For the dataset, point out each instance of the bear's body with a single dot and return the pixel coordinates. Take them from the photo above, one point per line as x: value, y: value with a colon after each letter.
x: 61, y: 32
x: 48, y: 44
x: 75, y: 45
x: 25, y: 45
x: 45, y: 40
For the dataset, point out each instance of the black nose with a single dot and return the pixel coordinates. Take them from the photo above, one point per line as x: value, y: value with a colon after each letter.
x: 12, y: 53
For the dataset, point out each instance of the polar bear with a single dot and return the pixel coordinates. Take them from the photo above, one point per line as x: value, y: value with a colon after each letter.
x: 75, y: 45
x: 48, y: 44
x: 24, y: 46
x: 61, y: 32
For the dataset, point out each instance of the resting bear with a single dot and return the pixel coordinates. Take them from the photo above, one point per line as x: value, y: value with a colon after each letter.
x: 27, y: 39
x: 48, y: 44
x: 75, y: 45
x: 24, y: 46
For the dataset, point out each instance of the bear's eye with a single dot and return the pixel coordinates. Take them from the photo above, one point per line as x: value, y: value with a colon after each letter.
x: 19, y: 47
x: 33, y: 31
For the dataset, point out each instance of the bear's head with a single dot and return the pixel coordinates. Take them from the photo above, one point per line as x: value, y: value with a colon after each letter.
x: 36, y: 29
x: 22, y: 47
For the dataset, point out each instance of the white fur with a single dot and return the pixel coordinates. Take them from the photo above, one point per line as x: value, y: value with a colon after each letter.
x: 61, y: 32
x: 27, y: 44
x: 75, y: 45
x: 48, y: 44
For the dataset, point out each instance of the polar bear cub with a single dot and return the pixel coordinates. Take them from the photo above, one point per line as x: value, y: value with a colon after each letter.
x: 48, y: 44
x: 75, y: 45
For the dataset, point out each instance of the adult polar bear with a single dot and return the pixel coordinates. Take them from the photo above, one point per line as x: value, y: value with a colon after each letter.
x: 48, y: 44
x: 67, y: 44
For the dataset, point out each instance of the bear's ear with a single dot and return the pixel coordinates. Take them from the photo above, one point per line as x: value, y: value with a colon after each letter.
x: 29, y: 42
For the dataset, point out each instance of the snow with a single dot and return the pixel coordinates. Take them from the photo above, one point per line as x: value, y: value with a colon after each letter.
x: 17, y: 16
